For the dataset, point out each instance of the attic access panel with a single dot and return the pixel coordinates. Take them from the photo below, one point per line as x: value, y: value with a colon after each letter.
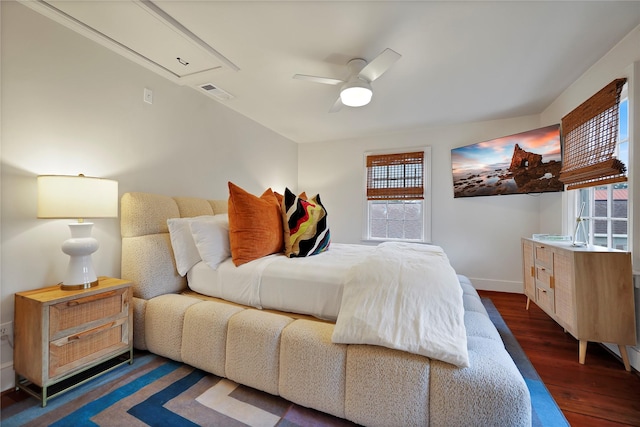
x: 143, y: 30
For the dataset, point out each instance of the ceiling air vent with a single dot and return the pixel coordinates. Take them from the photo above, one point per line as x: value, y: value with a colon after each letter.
x: 216, y: 92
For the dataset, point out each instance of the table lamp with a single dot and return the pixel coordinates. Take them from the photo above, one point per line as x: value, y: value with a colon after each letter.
x: 81, y: 197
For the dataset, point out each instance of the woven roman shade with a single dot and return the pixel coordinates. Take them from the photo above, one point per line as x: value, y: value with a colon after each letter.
x: 590, y: 135
x: 396, y: 176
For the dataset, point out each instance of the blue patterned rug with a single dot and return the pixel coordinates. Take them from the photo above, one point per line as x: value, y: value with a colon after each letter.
x: 156, y: 391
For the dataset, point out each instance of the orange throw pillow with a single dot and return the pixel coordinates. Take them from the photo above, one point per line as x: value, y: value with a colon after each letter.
x: 255, y: 225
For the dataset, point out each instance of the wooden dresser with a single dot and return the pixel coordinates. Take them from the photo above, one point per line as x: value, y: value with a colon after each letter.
x: 61, y: 334
x: 587, y: 290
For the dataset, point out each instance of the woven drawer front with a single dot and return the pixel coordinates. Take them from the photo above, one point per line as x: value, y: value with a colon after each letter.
x: 75, y: 313
x: 543, y: 275
x: 544, y: 256
x: 76, y: 350
x: 544, y: 299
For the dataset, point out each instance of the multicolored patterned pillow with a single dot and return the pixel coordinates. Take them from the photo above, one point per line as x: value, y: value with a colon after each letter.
x: 305, y: 226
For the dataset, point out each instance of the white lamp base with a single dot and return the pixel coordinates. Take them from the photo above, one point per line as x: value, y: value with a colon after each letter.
x: 80, y: 273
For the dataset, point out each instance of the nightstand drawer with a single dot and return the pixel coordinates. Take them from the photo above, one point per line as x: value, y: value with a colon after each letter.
x: 81, y: 311
x: 73, y: 351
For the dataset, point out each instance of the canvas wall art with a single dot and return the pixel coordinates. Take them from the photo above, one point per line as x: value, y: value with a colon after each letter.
x: 527, y: 162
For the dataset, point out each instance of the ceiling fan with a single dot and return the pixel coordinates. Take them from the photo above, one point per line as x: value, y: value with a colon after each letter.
x: 356, y: 90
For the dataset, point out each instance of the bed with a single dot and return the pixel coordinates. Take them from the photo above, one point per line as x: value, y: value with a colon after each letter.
x: 286, y: 342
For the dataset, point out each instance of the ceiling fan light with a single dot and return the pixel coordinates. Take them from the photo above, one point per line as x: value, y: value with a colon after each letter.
x: 356, y: 95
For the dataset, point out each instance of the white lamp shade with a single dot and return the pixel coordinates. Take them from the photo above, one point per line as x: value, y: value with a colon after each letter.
x: 61, y: 196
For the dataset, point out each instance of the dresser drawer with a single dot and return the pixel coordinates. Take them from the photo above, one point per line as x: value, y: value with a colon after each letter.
x: 543, y: 256
x: 545, y: 299
x: 544, y: 276
x: 76, y: 313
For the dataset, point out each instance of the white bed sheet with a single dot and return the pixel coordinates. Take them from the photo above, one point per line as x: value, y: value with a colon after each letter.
x: 311, y: 285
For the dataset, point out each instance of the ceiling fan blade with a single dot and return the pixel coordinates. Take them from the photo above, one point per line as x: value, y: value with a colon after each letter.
x: 316, y: 79
x: 379, y: 65
x: 337, y: 106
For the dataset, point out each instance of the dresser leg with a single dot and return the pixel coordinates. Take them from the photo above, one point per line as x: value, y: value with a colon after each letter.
x: 625, y: 357
x: 583, y: 351
x: 528, y: 299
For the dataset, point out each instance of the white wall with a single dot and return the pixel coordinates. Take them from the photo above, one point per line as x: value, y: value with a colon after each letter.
x: 481, y: 235
x: 70, y: 106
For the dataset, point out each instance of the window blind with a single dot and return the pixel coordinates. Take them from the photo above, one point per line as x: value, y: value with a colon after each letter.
x: 395, y: 176
x: 590, y: 135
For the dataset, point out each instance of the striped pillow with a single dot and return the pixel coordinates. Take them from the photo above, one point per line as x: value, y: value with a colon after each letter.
x: 305, y: 226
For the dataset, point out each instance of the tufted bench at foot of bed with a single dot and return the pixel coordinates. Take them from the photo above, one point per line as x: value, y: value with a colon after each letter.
x: 369, y: 385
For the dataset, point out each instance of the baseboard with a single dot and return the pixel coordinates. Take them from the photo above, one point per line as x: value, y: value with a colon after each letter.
x: 7, y: 376
x: 497, y: 285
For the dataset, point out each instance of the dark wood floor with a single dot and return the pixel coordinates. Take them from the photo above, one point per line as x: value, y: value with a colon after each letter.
x: 599, y: 393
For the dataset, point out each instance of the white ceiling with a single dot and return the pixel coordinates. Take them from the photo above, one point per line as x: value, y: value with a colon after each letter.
x: 461, y: 61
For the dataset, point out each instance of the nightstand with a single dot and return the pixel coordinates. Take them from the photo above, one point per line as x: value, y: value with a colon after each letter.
x: 65, y: 338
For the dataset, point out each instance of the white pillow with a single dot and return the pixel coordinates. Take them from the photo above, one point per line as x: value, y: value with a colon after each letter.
x: 185, y: 251
x: 211, y: 236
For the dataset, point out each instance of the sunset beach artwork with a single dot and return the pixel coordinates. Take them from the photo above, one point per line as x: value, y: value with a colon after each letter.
x: 527, y: 162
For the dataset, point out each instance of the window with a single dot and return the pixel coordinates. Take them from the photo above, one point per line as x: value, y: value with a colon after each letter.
x: 606, y: 207
x: 398, y: 196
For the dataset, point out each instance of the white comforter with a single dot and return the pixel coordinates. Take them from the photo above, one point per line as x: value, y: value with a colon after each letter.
x: 407, y: 297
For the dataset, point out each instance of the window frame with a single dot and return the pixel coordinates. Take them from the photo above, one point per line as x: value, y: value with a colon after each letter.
x: 426, y: 201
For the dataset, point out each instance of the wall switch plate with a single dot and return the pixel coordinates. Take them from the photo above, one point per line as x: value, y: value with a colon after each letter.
x: 148, y: 96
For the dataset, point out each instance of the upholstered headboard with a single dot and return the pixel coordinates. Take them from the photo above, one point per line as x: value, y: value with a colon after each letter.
x: 147, y: 255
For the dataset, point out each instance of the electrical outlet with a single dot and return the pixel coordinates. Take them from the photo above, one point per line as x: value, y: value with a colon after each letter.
x: 6, y: 329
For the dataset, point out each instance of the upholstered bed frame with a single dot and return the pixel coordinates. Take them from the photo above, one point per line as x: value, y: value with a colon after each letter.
x: 294, y: 357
